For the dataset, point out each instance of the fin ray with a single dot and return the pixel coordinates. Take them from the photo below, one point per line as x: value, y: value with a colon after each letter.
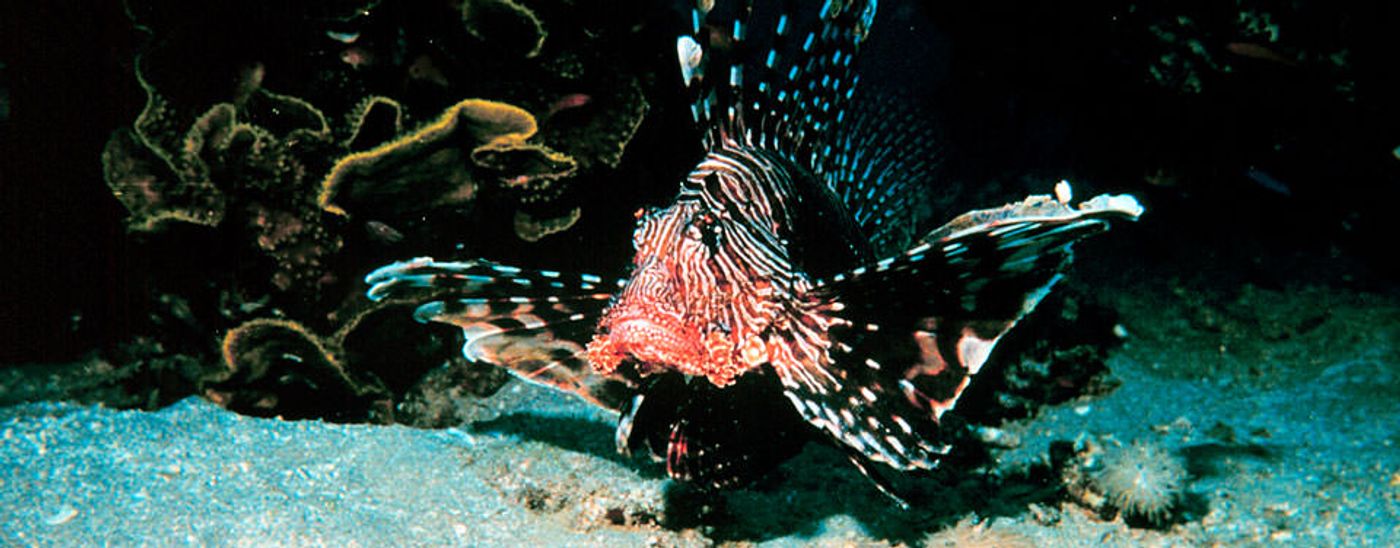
x: 535, y: 323
x: 772, y: 77
x: 896, y: 364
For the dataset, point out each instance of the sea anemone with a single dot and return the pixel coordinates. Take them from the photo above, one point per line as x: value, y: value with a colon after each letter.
x: 1142, y: 480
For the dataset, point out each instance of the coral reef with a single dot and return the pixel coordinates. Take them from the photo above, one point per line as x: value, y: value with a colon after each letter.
x: 267, y: 173
x: 1056, y: 355
x: 505, y: 25
x: 1196, y: 48
x: 443, y: 163
x: 278, y: 367
x: 443, y: 397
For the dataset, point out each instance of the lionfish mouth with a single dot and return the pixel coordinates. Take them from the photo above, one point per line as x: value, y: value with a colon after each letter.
x: 648, y: 341
x: 645, y: 343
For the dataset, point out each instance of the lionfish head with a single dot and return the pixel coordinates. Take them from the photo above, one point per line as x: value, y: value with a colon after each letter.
x: 709, y: 278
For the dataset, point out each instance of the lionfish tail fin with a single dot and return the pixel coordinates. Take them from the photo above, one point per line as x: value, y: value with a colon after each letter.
x: 535, y: 323
x: 907, y: 333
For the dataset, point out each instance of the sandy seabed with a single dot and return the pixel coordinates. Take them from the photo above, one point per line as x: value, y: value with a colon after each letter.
x: 1289, y: 436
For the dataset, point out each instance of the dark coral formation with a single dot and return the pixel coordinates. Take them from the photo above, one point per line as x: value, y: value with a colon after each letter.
x: 278, y: 168
x: 1206, y: 44
x: 504, y: 25
x: 443, y: 163
x: 279, y: 366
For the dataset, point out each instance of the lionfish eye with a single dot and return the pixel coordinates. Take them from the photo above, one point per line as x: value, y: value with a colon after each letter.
x: 705, y: 228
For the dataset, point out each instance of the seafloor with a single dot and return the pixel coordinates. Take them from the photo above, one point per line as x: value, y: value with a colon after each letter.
x: 1280, y: 401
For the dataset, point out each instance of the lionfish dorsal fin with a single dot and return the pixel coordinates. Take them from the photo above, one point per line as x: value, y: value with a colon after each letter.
x: 907, y: 334
x: 534, y: 323
x: 781, y: 76
x: 887, y: 167
x: 772, y: 76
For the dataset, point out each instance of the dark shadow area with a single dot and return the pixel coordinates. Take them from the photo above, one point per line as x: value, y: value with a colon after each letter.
x: 1190, y: 508
x: 569, y: 433
x: 820, y: 484
x: 1212, y: 459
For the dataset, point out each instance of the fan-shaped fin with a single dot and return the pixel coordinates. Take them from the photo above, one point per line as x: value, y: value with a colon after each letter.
x: 535, y: 323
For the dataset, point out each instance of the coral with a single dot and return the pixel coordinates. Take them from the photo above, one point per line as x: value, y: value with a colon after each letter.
x: 1141, y: 479
x: 444, y: 162
x: 298, y: 242
x: 269, y: 172
x: 531, y: 228
x: 151, y: 192
x: 246, y: 158
x: 280, y: 368
x: 376, y: 119
x: 1054, y: 356
x: 442, y: 398
x: 275, y: 366
x: 155, y: 168
x: 505, y: 24
x: 1200, y: 46
x: 177, y: 163
x: 595, y: 128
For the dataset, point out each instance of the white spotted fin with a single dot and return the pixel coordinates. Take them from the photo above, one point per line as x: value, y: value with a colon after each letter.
x: 907, y: 334
x: 769, y: 75
x: 535, y: 323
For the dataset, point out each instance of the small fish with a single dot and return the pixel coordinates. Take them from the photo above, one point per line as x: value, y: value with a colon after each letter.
x: 347, y: 37
x: 792, y: 292
x: 1259, y: 51
x: 1269, y: 182
x: 382, y: 233
x: 570, y: 101
x: 357, y: 57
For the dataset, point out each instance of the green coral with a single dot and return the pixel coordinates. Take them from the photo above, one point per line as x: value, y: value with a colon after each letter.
x: 375, y: 120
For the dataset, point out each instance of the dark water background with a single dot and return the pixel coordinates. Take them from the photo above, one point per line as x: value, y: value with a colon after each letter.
x: 1272, y: 170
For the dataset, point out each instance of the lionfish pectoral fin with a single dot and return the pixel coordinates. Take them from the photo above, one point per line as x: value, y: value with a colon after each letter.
x: 535, y: 323
x: 907, y: 333
x: 645, y: 420
x: 882, y: 482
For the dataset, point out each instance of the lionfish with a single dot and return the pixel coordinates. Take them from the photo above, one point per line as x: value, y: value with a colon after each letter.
x: 786, y: 294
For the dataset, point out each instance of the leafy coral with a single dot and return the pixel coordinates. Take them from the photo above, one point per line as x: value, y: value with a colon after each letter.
x: 279, y: 367
x: 276, y: 169
x: 444, y: 162
x: 506, y: 24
